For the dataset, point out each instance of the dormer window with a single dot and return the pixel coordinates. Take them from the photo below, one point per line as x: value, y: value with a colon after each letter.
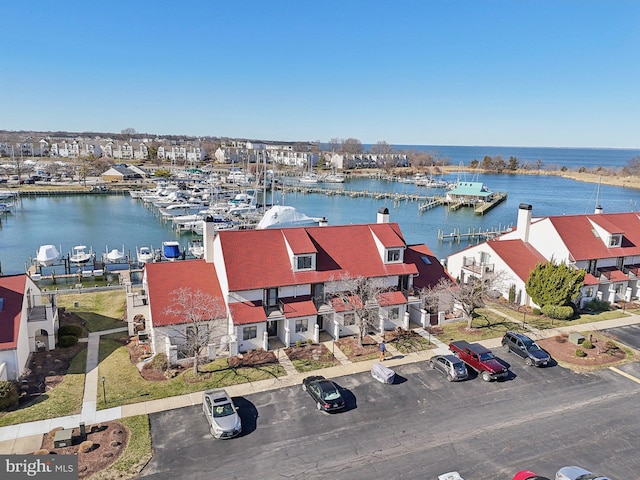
x: 394, y: 255
x: 304, y: 262
x: 615, y: 241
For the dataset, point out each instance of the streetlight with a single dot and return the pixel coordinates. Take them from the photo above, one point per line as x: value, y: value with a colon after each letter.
x: 104, y: 392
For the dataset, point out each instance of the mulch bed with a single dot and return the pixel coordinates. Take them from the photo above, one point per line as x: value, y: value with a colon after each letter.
x: 349, y: 346
x: 109, y: 440
x: 605, y: 352
x: 253, y: 358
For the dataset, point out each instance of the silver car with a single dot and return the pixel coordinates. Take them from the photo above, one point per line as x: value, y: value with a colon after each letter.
x: 221, y: 414
x: 450, y: 366
x: 577, y: 473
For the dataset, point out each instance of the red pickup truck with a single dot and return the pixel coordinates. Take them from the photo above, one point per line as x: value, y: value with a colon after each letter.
x: 480, y: 359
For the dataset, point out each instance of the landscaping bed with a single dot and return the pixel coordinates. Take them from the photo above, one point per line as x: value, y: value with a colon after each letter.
x: 368, y: 351
x: 604, y: 352
x: 407, y: 341
x: 307, y: 357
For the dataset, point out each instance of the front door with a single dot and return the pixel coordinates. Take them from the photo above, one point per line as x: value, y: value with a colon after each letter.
x: 272, y: 328
x: 320, y: 322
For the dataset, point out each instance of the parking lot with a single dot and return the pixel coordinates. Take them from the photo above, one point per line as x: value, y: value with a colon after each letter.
x: 419, y: 427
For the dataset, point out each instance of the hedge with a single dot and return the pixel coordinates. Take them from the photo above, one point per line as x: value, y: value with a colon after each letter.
x: 8, y: 395
x: 75, y: 330
x: 558, y: 312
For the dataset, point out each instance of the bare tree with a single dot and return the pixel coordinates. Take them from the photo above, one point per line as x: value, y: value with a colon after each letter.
x: 359, y: 295
x: 335, y: 145
x: 202, y: 320
x: 352, y: 146
x: 382, y: 148
x: 128, y: 131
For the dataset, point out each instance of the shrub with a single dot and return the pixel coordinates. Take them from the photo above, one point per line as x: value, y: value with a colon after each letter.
x: 67, y: 341
x: 75, y: 330
x: 298, y: 343
x: 160, y: 362
x: 587, y: 344
x: 561, y: 338
x: 8, y: 395
x: 559, y: 312
x: 580, y: 353
x: 309, y: 341
x: 536, y: 311
x: 596, y: 305
x: 85, y: 446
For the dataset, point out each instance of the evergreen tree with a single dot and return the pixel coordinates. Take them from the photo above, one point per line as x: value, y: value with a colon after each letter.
x: 554, y: 284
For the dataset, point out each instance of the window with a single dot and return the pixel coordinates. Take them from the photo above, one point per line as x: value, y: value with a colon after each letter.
x: 615, y: 240
x: 349, y: 319
x: 249, y: 333
x: 394, y: 313
x: 302, y: 325
x: 271, y: 297
x: 393, y: 255
x: 619, y: 287
x: 304, y: 262
x: 588, y: 292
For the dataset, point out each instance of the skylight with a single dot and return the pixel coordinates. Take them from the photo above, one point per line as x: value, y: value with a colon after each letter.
x: 426, y: 260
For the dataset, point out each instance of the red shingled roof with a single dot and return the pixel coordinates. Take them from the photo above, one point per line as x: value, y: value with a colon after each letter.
x: 298, y: 307
x: 243, y: 313
x: 298, y: 240
x: 165, y: 278
x: 391, y: 298
x: 430, y: 270
x: 256, y: 259
x: 11, y: 292
x: 577, y: 233
x: 613, y: 274
x: 520, y: 256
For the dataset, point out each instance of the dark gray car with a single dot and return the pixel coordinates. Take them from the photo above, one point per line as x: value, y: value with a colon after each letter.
x: 525, y: 348
x: 450, y: 366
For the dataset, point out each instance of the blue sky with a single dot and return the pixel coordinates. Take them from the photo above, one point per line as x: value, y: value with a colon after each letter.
x: 527, y: 73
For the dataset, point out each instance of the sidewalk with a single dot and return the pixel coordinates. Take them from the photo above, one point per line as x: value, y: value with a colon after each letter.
x: 27, y: 437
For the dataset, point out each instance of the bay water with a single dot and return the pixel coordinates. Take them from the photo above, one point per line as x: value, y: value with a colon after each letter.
x: 105, y: 222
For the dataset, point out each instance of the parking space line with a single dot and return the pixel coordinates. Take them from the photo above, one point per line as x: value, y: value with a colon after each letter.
x: 625, y: 374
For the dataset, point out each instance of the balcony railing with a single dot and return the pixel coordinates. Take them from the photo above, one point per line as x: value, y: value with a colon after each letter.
x: 479, y: 268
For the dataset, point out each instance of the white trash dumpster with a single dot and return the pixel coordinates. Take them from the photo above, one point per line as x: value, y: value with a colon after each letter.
x: 382, y: 374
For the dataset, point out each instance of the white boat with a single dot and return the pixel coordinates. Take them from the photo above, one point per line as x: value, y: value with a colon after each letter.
x: 309, y: 178
x: 282, y: 216
x: 47, y: 255
x: 196, y: 248
x: 79, y: 254
x: 171, y: 250
x: 334, y: 178
x: 144, y: 255
x: 114, y: 256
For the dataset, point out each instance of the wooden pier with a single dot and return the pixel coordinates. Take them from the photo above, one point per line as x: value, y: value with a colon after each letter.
x: 484, y: 207
x: 472, y: 234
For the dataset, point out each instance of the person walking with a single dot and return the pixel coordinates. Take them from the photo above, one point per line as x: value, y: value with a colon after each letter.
x: 383, y: 350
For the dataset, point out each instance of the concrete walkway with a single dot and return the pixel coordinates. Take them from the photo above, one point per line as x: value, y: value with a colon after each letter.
x: 27, y: 437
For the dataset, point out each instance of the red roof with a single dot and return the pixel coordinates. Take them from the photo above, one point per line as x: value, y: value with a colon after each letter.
x: 613, y: 274
x: 164, y: 278
x: 430, y: 270
x: 391, y: 298
x: 243, y: 313
x: 298, y: 307
x: 578, y: 234
x: 521, y: 257
x: 11, y: 292
x: 257, y: 259
x: 389, y: 237
x: 590, y: 280
x: 298, y: 240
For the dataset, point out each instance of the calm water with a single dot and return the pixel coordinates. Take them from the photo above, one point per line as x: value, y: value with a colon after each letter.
x: 109, y: 221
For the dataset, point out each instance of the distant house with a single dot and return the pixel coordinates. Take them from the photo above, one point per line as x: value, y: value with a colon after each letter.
x: 28, y: 323
x: 469, y: 193
x: 279, y: 286
x: 120, y: 174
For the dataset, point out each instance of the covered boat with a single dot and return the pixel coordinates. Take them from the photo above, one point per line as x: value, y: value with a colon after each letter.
x: 171, y: 250
x: 281, y: 216
x: 382, y: 374
x: 47, y: 255
x: 114, y: 256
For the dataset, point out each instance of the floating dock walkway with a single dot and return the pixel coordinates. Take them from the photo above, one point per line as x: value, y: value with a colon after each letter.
x: 472, y: 234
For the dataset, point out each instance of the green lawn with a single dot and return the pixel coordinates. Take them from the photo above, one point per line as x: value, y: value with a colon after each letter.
x: 414, y: 343
x: 101, y: 310
x: 486, y: 324
x: 64, y: 399
x: 124, y: 385
x: 309, y: 365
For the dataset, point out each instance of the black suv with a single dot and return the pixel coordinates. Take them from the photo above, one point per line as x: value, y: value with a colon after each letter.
x: 526, y: 348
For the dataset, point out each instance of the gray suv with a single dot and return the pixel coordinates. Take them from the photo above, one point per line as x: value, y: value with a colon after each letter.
x: 525, y: 348
x: 450, y: 366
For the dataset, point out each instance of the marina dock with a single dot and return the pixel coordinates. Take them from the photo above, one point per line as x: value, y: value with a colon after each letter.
x: 473, y: 235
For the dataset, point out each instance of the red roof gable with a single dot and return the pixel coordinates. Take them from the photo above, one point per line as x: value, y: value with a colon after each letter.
x: 11, y: 292
x: 243, y: 313
x: 389, y: 237
x: 578, y: 234
x: 298, y: 240
x: 391, y: 298
x: 590, y: 280
x: 298, y: 307
x: 430, y: 270
x: 164, y: 278
x: 257, y: 259
x: 520, y: 256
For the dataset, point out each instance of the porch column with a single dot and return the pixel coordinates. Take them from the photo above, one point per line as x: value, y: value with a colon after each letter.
x: 265, y: 340
x: 424, y: 318
x: 316, y: 333
x: 405, y: 321
x: 287, y: 337
x: 336, y: 329
x: 381, y: 323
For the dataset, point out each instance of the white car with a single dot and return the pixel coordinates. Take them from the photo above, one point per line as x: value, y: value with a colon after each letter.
x: 577, y: 473
x: 221, y: 414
